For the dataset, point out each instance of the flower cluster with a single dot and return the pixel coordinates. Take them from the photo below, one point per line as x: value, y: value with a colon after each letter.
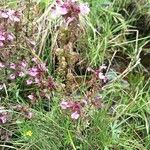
x: 7, y: 18
x: 69, y: 9
x: 99, y: 73
x: 38, y: 76
x: 10, y: 15
x: 5, y: 37
x: 34, y: 74
x: 77, y: 108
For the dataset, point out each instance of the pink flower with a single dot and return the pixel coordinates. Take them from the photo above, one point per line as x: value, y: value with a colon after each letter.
x: 2, y: 65
x: 75, y: 115
x: 2, y: 38
x: 105, y: 79
x: 30, y: 115
x: 34, y: 59
x: 31, y: 96
x: 23, y: 64
x: 89, y: 69
x: 3, y: 119
x: 10, y: 12
x: 21, y: 74
x: 84, y: 102
x: 16, y: 19
x: 12, y: 76
x: 4, y: 15
x: 10, y: 37
x: 76, y: 106
x: 101, y: 76
x: 29, y: 82
x: 84, y: 9
x: 14, y: 15
x: 1, y: 44
x: 64, y: 105
x: 58, y: 11
x: 37, y: 80
x: 33, y: 72
x: 13, y: 66
x: 62, y: 10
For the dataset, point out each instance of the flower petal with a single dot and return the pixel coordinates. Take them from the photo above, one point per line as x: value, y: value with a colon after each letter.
x: 75, y: 115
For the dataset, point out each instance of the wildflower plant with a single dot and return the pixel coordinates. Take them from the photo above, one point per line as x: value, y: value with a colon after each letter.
x: 9, y: 22
x: 54, y: 82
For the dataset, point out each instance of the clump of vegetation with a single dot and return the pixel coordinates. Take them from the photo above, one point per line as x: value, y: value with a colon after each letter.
x: 74, y: 75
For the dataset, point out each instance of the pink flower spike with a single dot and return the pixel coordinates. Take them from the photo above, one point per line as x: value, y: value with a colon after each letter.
x: 84, y: 9
x: 64, y: 105
x: 2, y: 65
x: 12, y: 76
x: 75, y: 115
x: 29, y: 82
x: 13, y: 66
